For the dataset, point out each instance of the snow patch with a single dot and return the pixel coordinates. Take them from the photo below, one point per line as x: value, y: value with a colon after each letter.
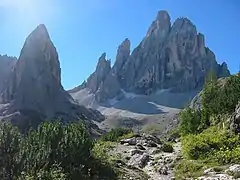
x: 112, y: 101
x: 161, y: 91
x: 129, y: 95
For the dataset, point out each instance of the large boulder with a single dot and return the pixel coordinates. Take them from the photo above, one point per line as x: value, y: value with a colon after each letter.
x: 139, y: 161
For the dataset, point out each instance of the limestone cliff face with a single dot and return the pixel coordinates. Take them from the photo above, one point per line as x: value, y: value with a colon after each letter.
x: 34, y: 86
x: 102, y: 70
x: 6, y: 66
x: 170, y: 56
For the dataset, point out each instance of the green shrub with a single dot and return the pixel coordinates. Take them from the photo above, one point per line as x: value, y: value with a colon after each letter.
x: 153, y: 129
x: 10, y: 144
x: 221, y: 99
x: 54, y: 173
x: 167, y: 147
x: 230, y: 94
x: 100, y: 150
x: 35, y: 155
x: 212, y: 144
x: 53, y: 142
x: 190, y: 121
x: 188, y: 169
x: 174, y: 133
x: 103, y: 164
x: 116, y: 134
x: 226, y: 156
x: 218, y: 169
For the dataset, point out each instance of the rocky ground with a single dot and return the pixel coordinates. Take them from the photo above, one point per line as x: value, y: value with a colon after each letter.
x: 146, y: 154
x: 225, y: 173
x: 145, y: 157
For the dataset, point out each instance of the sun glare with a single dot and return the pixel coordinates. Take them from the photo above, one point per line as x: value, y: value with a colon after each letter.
x: 28, y: 12
x: 20, y: 5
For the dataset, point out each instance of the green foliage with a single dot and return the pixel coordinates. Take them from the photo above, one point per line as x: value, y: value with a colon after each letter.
x: 53, y: 142
x: 190, y: 121
x: 100, y: 150
x: 220, y: 98
x: 226, y: 156
x: 167, y: 147
x: 205, y: 139
x: 116, y: 134
x: 230, y: 94
x: 103, y: 163
x: 210, y: 95
x: 213, y: 144
x: 52, y: 151
x: 188, y: 169
x: 153, y: 129
x: 54, y: 173
x: 10, y: 143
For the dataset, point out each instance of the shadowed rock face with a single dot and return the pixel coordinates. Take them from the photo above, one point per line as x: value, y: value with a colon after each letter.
x: 102, y: 70
x: 170, y: 56
x: 34, y: 87
x: 6, y: 66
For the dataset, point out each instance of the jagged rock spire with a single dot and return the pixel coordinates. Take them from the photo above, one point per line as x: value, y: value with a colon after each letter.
x: 35, y: 84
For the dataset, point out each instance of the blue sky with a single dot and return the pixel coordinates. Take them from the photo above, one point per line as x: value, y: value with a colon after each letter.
x: 83, y: 30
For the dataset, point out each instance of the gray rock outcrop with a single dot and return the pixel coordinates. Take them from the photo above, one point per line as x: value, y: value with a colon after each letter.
x: 123, y: 54
x: 34, y: 87
x: 6, y: 66
x: 95, y: 79
x: 170, y: 56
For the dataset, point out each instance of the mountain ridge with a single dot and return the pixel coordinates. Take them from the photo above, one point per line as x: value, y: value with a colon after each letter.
x: 170, y: 56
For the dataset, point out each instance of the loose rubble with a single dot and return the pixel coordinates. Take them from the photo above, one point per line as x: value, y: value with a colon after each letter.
x: 231, y: 173
x: 145, y: 154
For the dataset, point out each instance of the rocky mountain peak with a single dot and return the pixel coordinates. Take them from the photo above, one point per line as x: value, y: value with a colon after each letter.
x: 159, y: 28
x: 172, y: 57
x: 103, y: 65
x: 39, y: 42
x: 38, y: 67
x: 223, y: 70
x: 162, y: 16
x: 123, y: 54
x: 100, y: 74
x: 35, y: 84
x: 40, y: 32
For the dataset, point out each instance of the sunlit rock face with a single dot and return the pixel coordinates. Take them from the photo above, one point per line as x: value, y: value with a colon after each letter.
x: 34, y: 87
x: 170, y: 56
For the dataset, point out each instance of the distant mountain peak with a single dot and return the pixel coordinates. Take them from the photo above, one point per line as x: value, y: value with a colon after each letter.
x: 163, y: 15
x: 170, y: 56
x: 39, y: 33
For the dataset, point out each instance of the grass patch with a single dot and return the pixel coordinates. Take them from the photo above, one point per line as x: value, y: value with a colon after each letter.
x: 218, y: 169
x: 117, y: 134
x: 188, y: 169
x: 153, y: 129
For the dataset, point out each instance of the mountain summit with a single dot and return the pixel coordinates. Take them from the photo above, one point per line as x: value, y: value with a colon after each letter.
x: 34, y: 86
x: 170, y: 56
